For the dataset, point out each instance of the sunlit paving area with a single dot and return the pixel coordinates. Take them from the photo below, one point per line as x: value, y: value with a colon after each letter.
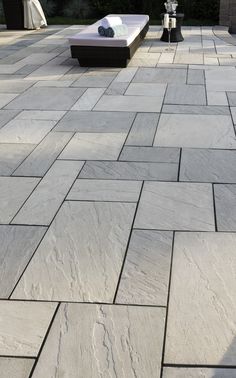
x: 118, y: 208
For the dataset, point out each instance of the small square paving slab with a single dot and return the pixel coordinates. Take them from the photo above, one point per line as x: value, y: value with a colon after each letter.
x: 176, y: 206
x: 196, y: 77
x: 105, y: 190
x: 150, y: 154
x: 198, y: 373
x: 218, y: 81
x: 145, y: 277
x: 11, y: 155
x: 47, y: 99
x: 225, y: 202
x: 16, y: 367
x: 13, y: 193
x: 201, y: 131
x: 114, y: 341
x: 185, y: 94
x: 143, y: 129
x: 206, y: 165
x: 96, y: 122
x: 160, y: 75
x: 146, y: 89
x: 80, y: 257
x: 202, y: 300
x: 129, y: 171
x: 91, y: 146
x: 18, y: 244
x: 23, y: 326
x: 129, y: 103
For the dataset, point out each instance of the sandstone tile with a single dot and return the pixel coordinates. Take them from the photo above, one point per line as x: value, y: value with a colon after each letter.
x: 129, y: 104
x: 76, y: 261
x: 92, y: 79
x: 129, y: 171
x: 50, y: 72
x: 149, y: 89
x: 94, y: 146
x: 196, y: 109
x: 143, y: 130
x: 207, y: 165
x: 98, y: 122
x: 217, y: 98
x: 225, y: 199
x: 125, y: 75
x: 176, y: 206
x: 104, y: 340
x: 44, y: 115
x: 15, y: 367
x: 23, y: 327
x: 105, y: 190
x: 150, y: 154
x: 203, y: 263
x: 185, y: 94
x: 160, y: 75
x: 116, y: 88
x: 201, y: 131
x: 44, y: 202
x: 145, y: 277
x: 189, y: 58
x: 5, y: 98
x: 89, y: 99
x: 196, y: 77
x: 198, y: 372
x: 224, y: 82
x: 13, y: 193
x: 14, y: 86
x: 11, y: 155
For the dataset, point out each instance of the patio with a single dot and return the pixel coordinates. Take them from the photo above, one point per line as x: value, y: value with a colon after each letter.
x: 118, y: 209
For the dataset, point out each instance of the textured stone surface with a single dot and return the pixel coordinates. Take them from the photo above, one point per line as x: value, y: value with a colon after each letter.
x: 145, y: 277
x: 160, y: 75
x: 104, y: 340
x: 185, y: 94
x: 232, y: 98
x: 196, y: 109
x: 150, y: 154
x: 12, y: 155
x: 76, y: 259
x: 95, y: 79
x: 6, y: 116
x: 146, y: 89
x: 15, y: 367
x: 23, y: 327
x: 176, y: 206
x: 143, y: 130
x: 198, y: 373
x: 201, y: 325
x: 89, y: 99
x: 225, y: 199
x: 129, y: 104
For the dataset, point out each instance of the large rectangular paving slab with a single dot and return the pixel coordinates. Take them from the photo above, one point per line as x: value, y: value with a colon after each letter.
x: 15, y: 367
x: 105, y: 190
x: 40, y: 98
x: 160, y: 75
x: 18, y: 244
x: 40, y: 160
x: 225, y: 200
x: 114, y: 341
x: 96, y: 122
x: 145, y: 277
x: 43, y: 115
x: 14, y: 86
x: 95, y: 79
x: 42, y: 205
x: 143, y: 129
x: 146, y: 89
x: 150, y: 154
x: 201, y: 325
x: 200, y: 131
x: 11, y: 155
x: 198, y: 373
x: 23, y: 327
x: 176, y: 206
x: 13, y: 193
x: 76, y: 260
x: 6, y: 116
x: 129, y: 103
x: 205, y: 165
x: 129, y: 171
x: 185, y: 94
x: 94, y: 146
x: 196, y: 109
x: 218, y: 81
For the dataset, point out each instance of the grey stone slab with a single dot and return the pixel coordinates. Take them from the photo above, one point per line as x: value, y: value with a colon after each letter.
x: 233, y: 112
x: 43, y: 115
x: 14, y: 86
x: 202, y: 300
x: 176, y: 206
x: 143, y: 129
x: 221, y: 80
x: 116, y: 88
x: 129, y: 171
x: 125, y: 75
x: 185, y: 94
x: 207, y: 165
x: 40, y: 160
x: 89, y: 99
x: 112, y: 341
x: 217, y: 98
x: 6, y: 116
x: 98, y: 122
x: 146, y: 89
x: 47, y: 99
x: 225, y: 200
x: 160, y: 75
x: 95, y: 79
x: 15, y: 367
x: 6, y: 98
x: 129, y: 104
x: 25, y: 131
x: 18, y: 244
x: 105, y: 190
x: 198, y: 373
x: 23, y: 327
x: 81, y: 255
x: 196, y: 109
x: 196, y: 77
x: 145, y: 277
x: 232, y: 98
x: 11, y: 155
x: 28, y: 69
x: 13, y: 193
x: 150, y: 154
x: 190, y: 130
x: 94, y: 146
x: 42, y: 205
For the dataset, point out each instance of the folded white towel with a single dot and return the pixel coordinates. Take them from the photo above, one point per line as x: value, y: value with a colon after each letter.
x: 109, y: 22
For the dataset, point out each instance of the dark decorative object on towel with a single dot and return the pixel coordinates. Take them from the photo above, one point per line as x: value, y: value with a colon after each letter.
x: 114, y: 31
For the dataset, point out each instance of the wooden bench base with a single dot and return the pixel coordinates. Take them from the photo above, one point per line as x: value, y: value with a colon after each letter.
x: 98, y: 56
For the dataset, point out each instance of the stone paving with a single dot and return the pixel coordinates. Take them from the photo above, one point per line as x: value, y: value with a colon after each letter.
x: 117, y: 209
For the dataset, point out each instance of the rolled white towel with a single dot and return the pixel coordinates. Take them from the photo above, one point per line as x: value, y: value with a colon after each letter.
x: 109, y: 22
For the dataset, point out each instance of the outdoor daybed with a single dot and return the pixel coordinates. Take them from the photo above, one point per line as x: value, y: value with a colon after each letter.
x: 92, y: 50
